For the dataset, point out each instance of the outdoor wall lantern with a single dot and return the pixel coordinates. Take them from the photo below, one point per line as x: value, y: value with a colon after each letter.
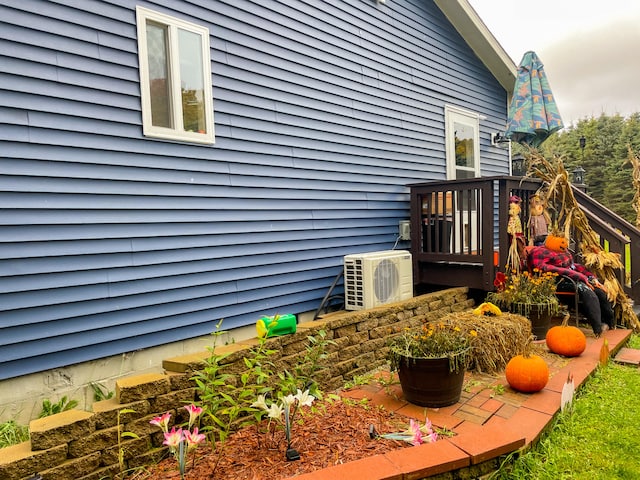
x: 578, y: 175
x: 518, y: 168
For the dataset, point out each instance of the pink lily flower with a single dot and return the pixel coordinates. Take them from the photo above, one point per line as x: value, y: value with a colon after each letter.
x: 162, y: 421
x: 193, y: 439
x: 173, y: 438
x: 194, y: 412
x: 414, y: 428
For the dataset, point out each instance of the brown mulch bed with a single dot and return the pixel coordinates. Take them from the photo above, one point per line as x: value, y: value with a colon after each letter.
x: 337, y: 432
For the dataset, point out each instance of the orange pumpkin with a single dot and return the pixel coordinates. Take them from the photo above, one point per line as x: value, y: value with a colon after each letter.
x: 566, y: 340
x: 527, y: 373
x: 556, y: 243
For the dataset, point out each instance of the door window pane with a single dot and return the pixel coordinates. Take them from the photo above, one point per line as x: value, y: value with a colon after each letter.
x: 464, y: 136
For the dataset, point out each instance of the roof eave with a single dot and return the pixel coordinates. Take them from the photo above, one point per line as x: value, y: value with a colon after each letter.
x: 471, y: 27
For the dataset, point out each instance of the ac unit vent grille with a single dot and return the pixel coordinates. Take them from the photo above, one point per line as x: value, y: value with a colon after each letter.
x: 385, y: 280
x: 376, y: 278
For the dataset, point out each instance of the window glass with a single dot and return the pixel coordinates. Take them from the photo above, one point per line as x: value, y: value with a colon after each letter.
x: 191, y: 77
x: 158, y: 75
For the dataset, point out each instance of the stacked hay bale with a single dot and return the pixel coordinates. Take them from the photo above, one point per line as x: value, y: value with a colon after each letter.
x: 499, y: 338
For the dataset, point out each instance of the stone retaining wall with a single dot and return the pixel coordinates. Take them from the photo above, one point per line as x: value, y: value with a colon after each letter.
x: 79, y: 445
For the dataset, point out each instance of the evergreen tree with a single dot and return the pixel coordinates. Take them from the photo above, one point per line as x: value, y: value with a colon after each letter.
x: 607, y: 138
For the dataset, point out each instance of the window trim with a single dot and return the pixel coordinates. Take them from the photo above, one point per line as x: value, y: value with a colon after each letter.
x: 177, y: 134
x: 454, y: 114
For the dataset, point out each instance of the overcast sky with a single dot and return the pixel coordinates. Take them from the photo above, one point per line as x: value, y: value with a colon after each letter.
x: 590, y: 49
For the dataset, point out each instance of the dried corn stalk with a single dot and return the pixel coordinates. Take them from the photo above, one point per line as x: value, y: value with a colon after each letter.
x: 635, y: 164
x: 557, y: 190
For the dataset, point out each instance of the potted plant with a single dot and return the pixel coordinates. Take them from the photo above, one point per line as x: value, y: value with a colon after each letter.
x: 530, y: 294
x: 431, y: 360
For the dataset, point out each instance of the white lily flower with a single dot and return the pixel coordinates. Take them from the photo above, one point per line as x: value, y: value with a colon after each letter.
x: 304, y: 399
x: 288, y: 400
x: 261, y: 402
x: 275, y: 411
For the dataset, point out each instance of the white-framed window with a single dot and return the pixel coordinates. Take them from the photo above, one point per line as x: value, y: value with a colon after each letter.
x: 463, y: 143
x: 175, y: 78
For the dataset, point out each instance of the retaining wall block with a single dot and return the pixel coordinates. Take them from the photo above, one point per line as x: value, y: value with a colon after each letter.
x: 95, y: 442
x: 106, y: 412
x: 301, y: 334
x: 60, y: 428
x: 345, y: 331
x: 105, y: 473
x: 368, y: 325
x: 19, y: 461
x: 358, y: 338
x: 172, y: 400
x: 180, y: 381
x: 142, y: 426
x: 141, y: 387
x: 366, y: 360
x: 353, y: 351
x: 294, y: 347
x: 74, y: 468
x: 131, y: 448
x: 148, y: 458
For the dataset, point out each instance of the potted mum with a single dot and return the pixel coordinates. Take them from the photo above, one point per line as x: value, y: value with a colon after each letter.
x: 431, y: 360
x: 530, y: 294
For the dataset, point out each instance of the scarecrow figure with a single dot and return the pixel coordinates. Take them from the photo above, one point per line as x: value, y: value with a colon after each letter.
x: 539, y: 221
x: 516, y: 237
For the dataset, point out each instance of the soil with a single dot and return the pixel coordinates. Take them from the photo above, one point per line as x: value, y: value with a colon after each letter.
x: 336, y: 432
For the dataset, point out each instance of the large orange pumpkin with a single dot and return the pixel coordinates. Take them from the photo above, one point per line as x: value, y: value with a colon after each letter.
x: 556, y: 243
x: 566, y: 340
x: 527, y: 373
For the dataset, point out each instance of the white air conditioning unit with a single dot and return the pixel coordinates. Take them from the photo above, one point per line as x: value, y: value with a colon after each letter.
x: 376, y: 278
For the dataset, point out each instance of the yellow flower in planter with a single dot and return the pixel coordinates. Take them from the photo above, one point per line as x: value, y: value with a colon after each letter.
x: 437, y: 339
x: 517, y: 292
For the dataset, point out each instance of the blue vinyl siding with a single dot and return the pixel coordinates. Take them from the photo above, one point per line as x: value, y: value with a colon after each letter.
x: 324, y: 112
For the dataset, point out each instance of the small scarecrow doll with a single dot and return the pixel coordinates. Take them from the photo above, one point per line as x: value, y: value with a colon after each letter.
x: 539, y: 221
x: 516, y: 236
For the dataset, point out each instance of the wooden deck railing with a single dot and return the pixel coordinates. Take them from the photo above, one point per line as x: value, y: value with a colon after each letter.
x: 459, y: 231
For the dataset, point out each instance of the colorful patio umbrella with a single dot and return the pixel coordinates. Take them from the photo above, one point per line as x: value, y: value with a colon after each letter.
x: 533, y: 113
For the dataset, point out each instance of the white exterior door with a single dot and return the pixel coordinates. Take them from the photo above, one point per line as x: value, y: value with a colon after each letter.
x: 463, y: 161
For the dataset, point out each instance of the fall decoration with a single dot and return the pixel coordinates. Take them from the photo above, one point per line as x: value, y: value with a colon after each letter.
x: 498, y: 338
x: 566, y: 340
x: 487, y: 309
x: 517, y: 292
x: 437, y: 339
x: 570, y: 217
x: 557, y: 243
x: 516, y: 236
x: 527, y: 373
x: 634, y: 161
x: 604, y: 353
x: 568, y: 389
x: 539, y: 219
